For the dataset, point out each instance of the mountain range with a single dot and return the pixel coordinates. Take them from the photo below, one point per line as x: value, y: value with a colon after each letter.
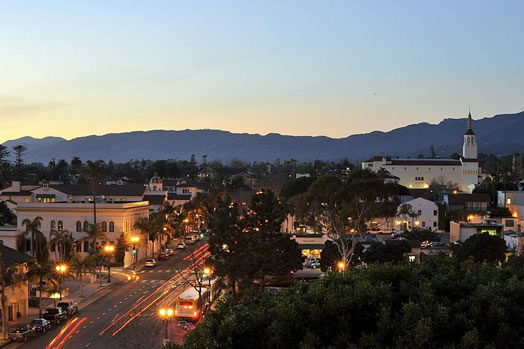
x: 500, y: 134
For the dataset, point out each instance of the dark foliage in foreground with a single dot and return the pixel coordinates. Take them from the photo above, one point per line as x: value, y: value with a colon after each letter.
x: 439, y: 303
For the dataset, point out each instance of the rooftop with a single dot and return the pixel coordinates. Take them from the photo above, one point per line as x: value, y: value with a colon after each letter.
x: 13, y: 257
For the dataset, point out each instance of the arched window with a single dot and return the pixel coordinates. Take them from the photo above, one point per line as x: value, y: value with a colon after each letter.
x: 53, y: 225
x: 60, y: 225
x: 104, y: 226
x: 86, y: 225
x: 111, y: 227
x: 78, y: 226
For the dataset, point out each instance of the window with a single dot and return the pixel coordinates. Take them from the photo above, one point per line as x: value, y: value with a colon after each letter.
x: 435, y: 212
x: 510, y: 223
x: 86, y: 246
x: 78, y: 226
x: 185, y: 191
x: 60, y: 225
x: 111, y: 227
x: 104, y: 226
x: 53, y: 225
x: 423, y: 224
x: 434, y: 224
x: 78, y: 246
x: 509, y: 201
x: 86, y: 225
x: 419, y: 212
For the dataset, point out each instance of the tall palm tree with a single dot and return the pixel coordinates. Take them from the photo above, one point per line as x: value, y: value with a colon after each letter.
x: 151, y: 227
x: 80, y: 267
x: 94, y: 232
x: 62, y: 241
x: 94, y: 170
x: 31, y: 227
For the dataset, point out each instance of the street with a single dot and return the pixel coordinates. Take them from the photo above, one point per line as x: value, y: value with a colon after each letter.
x: 125, y: 315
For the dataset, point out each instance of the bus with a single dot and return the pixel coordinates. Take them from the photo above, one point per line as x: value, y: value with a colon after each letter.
x: 187, y: 305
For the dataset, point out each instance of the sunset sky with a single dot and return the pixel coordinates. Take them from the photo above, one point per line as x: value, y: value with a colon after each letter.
x: 335, y: 68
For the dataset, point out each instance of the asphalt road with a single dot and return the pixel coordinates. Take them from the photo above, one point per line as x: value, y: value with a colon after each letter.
x: 125, y: 314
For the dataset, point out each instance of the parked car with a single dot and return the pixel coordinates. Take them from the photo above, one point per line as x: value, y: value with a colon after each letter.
x: 170, y: 251
x: 181, y: 245
x: 21, y: 333
x: 150, y: 262
x: 40, y: 325
x: 54, y: 315
x: 69, y: 307
x: 189, y: 240
x: 163, y: 256
x: 312, y: 262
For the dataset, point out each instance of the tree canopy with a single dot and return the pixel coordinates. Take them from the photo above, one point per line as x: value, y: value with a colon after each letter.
x: 439, y: 303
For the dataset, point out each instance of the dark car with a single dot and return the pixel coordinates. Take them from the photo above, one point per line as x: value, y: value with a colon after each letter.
x: 163, y: 256
x: 40, y: 325
x: 54, y: 315
x: 69, y: 307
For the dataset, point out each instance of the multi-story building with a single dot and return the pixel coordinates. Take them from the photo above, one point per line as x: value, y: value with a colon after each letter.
x: 419, y: 173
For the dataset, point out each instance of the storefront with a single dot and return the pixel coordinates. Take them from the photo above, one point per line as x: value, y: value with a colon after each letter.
x: 310, y: 245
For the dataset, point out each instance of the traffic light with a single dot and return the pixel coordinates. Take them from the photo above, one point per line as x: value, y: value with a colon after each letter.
x: 134, y: 250
x: 201, y: 235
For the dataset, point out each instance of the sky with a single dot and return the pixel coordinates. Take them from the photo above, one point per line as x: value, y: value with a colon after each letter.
x: 334, y: 68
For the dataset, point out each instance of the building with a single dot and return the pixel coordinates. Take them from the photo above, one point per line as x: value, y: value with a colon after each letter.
x: 419, y: 173
x: 425, y: 215
x: 17, y: 295
x: 462, y: 231
x: 116, y: 220
x: 514, y: 202
x: 477, y: 202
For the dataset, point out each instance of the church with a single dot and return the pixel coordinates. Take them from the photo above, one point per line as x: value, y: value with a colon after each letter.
x: 419, y: 173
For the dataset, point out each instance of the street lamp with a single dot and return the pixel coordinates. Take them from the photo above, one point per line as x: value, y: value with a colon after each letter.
x: 341, y: 266
x: 61, y: 269
x: 135, y: 240
x: 208, y: 271
x: 109, y: 249
x: 166, y: 314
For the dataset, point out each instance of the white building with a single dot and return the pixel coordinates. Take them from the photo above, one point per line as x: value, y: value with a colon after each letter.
x: 116, y: 220
x: 419, y: 173
x: 425, y: 216
x: 462, y: 231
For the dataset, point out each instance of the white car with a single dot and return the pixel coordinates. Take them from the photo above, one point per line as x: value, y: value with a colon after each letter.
x: 150, y: 262
x: 181, y: 245
x: 170, y: 251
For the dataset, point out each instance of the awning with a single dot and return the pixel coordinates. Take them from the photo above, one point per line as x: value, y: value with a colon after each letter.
x: 45, y: 196
x: 310, y: 246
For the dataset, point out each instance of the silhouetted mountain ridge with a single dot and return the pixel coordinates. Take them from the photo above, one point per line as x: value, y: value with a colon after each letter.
x: 500, y: 134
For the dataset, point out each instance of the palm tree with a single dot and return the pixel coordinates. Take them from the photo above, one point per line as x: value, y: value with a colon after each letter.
x: 94, y: 232
x: 80, y: 267
x: 150, y: 226
x: 63, y: 242
x: 31, y: 227
x: 40, y: 272
x: 94, y: 170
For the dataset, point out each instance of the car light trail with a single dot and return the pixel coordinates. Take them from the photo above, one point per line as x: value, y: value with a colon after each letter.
x: 180, y: 275
x: 199, y: 261
x: 71, y: 332
x: 61, y: 333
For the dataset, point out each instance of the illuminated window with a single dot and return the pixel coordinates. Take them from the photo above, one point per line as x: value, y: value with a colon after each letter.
x: 509, y: 201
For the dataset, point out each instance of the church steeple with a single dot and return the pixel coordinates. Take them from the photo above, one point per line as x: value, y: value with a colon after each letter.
x: 469, y: 149
x: 469, y: 131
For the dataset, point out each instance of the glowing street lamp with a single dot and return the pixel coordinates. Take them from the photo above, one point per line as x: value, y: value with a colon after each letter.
x: 166, y: 314
x: 61, y: 269
x: 341, y: 266
x: 109, y: 249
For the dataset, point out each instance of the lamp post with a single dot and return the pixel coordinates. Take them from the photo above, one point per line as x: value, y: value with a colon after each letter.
x: 208, y: 271
x: 109, y: 249
x: 61, y: 269
x: 341, y: 266
x: 135, y: 240
x: 166, y: 314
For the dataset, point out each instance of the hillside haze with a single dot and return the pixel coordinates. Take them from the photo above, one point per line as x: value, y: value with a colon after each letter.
x: 500, y: 134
